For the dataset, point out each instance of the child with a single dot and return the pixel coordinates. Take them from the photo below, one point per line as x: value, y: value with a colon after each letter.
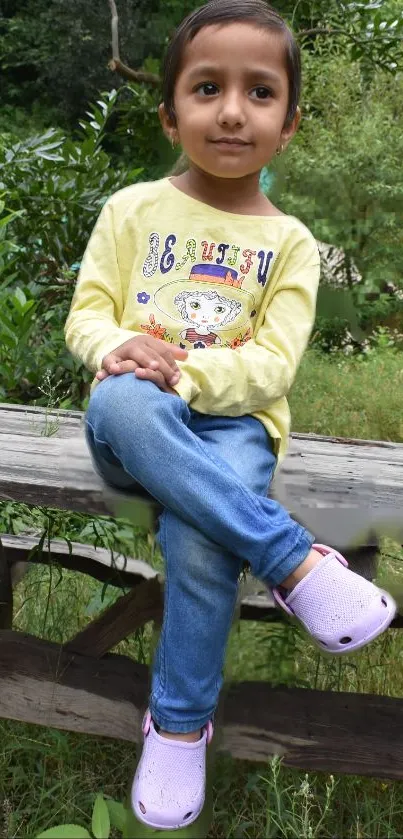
x: 194, y: 305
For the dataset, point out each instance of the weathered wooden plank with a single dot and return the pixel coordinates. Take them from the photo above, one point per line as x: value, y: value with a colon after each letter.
x: 313, y: 730
x: 42, y: 684
x: 51, y: 472
x: 99, y: 563
x: 144, y: 603
x: 336, y: 488
x: 30, y: 421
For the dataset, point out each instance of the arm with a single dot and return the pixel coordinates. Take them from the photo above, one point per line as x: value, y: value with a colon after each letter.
x: 249, y: 379
x: 92, y: 328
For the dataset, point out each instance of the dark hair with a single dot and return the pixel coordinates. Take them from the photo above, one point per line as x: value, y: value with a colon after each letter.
x: 257, y: 12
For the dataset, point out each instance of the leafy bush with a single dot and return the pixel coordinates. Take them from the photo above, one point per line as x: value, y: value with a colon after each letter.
x: 60, y: 184
x: 341, y: 173
x: 55, y: 188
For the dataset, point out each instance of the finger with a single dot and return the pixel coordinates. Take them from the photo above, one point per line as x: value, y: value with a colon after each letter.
x: 169, y: 369
x: 154, y: 376
x: 110, y: 363
x: 101, y: 374
x: 148, y: 358
x: 177, y: 352
x: 165, y: 363
x: 119, y: 367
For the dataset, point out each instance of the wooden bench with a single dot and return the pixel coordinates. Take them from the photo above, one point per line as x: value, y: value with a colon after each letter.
x: 348, y: 492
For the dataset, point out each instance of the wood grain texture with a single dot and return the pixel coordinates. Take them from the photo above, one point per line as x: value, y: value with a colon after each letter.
x: 312, y: 730
x: 142, y: 604
x: 105, y: 566
x: 315, y: 730
x: 42, y: 684
x: 346, y: 492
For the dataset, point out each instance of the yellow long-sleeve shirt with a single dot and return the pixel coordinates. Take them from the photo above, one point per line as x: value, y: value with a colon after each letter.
x: 237, y: 291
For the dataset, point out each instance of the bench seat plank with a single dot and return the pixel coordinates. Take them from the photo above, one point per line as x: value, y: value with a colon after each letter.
x: 333, y: 486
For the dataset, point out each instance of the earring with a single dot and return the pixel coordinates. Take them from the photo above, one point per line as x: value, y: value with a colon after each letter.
x: 280, y: 149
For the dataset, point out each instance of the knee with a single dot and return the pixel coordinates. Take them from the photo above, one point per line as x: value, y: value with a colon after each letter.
x: 123, y: 407
x: 120, y: 402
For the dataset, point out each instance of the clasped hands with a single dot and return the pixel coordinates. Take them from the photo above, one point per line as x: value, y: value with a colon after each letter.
x: 148, y: 358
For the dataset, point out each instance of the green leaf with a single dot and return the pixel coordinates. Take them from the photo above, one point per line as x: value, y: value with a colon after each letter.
x: 65, y: 831
x: 101, y: 823
x: 117, y: 813
x: 20, y: 296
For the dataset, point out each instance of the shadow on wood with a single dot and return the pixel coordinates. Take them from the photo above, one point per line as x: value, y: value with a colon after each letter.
x: 6, y: 591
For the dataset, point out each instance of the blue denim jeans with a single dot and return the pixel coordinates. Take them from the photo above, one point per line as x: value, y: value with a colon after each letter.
x: 211, y: 475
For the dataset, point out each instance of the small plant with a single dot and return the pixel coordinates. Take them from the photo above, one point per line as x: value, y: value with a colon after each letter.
x: 295, y: 812
x: 106, y: 814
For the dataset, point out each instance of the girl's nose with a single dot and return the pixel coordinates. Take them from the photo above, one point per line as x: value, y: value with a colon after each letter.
x: 231, y: 112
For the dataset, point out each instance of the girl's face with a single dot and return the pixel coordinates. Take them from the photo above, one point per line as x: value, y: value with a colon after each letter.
x: 204, y: 312
x: 231, y: 99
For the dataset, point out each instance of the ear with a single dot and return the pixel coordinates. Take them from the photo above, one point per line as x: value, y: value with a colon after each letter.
x: 168, y: 125
x: 290, y: 129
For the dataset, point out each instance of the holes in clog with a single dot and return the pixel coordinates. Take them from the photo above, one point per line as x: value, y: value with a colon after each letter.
x: 345, y: 640
x: 187, y: 816
x: 142, y: 808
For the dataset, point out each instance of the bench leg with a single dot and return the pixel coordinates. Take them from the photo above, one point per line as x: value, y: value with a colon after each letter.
x: 6, y: 592
x: 130, y: 612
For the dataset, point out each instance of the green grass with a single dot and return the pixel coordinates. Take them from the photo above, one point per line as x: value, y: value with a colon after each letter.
x: 347, y: 397
x: 49, y: 777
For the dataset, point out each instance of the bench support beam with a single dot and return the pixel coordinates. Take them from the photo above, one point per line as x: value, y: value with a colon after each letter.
x: 313, y: 730
x: 132, y: 611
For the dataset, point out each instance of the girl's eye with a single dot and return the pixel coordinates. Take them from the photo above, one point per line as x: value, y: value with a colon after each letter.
x: 195, y: 305
x: 262, y: 92
x: 219, y: 310
x: 207, y: 89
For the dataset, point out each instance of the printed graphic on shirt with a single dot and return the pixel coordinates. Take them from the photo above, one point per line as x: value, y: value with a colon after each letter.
x: 165, y: 255
x: 206, y: 303
x: 209, y: 301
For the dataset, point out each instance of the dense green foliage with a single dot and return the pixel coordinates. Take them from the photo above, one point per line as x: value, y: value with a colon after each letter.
x: 342, y: 170
x: 53, y: 188
x: 54, y: 55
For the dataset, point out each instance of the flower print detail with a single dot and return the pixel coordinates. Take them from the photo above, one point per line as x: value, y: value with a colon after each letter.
x: 253, y: 313
x: 143, y: 297
x: 154, y: 329
x: 199, y: 345
x: 240, y: 340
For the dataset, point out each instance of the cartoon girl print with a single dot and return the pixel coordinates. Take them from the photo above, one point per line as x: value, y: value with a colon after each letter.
x: 205, y: 311
x: 210, y: 300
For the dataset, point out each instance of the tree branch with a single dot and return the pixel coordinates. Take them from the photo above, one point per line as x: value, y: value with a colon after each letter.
x: 115, y: 31
x: 117, y: 65
x: 133, y: 75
